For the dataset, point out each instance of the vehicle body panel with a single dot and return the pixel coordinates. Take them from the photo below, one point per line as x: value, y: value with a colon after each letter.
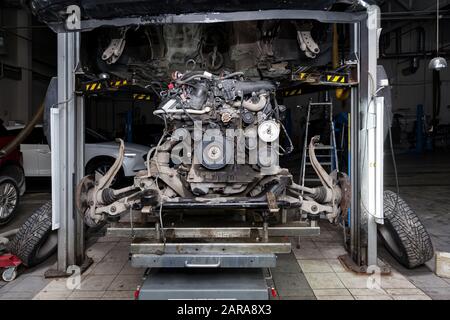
x: 15, y: 159
x: 37, y: 154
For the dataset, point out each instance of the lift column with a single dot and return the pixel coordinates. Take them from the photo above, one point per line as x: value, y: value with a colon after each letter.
x: 67, y: 145
x: 367, y: 145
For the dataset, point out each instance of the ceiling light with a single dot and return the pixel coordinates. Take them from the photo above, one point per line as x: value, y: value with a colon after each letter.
x: 437, y: 63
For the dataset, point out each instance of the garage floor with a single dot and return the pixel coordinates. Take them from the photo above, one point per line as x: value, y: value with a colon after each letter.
x: 311, y: 272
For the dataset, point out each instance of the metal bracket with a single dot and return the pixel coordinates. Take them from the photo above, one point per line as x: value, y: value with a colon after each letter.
x: 272, y: 202
x: 115, y: 49
x: 313, y: 207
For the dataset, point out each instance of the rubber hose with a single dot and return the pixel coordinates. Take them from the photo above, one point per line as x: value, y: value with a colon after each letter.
x: 23, y: 134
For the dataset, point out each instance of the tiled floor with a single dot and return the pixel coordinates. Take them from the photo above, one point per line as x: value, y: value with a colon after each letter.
x: 309, y: 272
x: 328, y: 279
x: 110, y: 277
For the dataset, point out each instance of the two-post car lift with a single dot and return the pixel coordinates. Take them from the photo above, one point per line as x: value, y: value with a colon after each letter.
x: 237, y: 263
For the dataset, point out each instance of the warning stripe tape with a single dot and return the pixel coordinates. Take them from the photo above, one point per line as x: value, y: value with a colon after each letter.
x: 98, y: 85
x: 138, y: 96
x: 292, y: 92
x: 336, y: 78
x: 303, y: 76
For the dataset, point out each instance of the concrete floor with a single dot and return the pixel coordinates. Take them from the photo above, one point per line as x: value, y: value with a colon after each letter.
x: 310, y: 272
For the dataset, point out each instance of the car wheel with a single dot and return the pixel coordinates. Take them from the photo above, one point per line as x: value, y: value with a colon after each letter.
x: 35, y: 241
x: 102, y: 166
x: 9, y: 200
x: 403, y: 233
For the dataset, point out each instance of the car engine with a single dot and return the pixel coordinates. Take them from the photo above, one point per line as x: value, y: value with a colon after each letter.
x: 229, y: 129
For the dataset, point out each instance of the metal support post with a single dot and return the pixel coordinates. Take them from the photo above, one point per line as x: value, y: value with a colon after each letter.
x: 67, y: 145
x: 357, y: 246
x: 371, y: 152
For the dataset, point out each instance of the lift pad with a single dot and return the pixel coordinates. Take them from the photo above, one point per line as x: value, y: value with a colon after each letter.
x: 201, y: 283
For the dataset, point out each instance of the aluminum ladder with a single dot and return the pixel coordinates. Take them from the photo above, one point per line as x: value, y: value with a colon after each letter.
x: 326, y: 159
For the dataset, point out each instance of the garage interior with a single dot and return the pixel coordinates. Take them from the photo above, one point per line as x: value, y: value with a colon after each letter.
x: 347, y: 259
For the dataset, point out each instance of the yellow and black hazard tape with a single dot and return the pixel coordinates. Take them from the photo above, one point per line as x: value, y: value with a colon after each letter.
x: 303, y: 76
x: 335, y: 78
x: 291, y: 92
x: 321, y: 77
x: 142, y: 96
x: 96, y: 86
x: 93, y: 86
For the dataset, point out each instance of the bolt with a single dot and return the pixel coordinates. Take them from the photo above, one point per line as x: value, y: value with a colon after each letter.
x: 113, y: 209
x: 314, y: 208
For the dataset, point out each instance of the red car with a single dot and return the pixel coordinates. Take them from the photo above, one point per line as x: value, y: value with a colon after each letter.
x: 12, y: 181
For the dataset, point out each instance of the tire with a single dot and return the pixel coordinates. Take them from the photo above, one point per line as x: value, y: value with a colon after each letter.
x: 9, y: 199
x: 403, y: 233
x: 15, y: 173
x: 35, y: 241
x: 102, y: 165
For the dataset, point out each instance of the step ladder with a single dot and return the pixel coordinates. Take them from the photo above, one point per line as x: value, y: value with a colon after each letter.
x: 326, y: 154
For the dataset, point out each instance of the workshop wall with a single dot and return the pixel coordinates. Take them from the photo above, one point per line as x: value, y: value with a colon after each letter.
x: 412, y: 84
x: 16, y: 78
x: 28, y: 57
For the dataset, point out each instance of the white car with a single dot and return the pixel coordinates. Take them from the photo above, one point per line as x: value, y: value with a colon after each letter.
x: 100, y: 154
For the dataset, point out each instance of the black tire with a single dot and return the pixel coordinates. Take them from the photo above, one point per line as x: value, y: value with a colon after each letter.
x: 102, y: 164
x: 9, y: 199
x: 403, y: 233
x: 35, y: 241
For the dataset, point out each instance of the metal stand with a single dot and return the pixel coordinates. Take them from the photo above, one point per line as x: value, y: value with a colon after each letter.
x: 209, y: 262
